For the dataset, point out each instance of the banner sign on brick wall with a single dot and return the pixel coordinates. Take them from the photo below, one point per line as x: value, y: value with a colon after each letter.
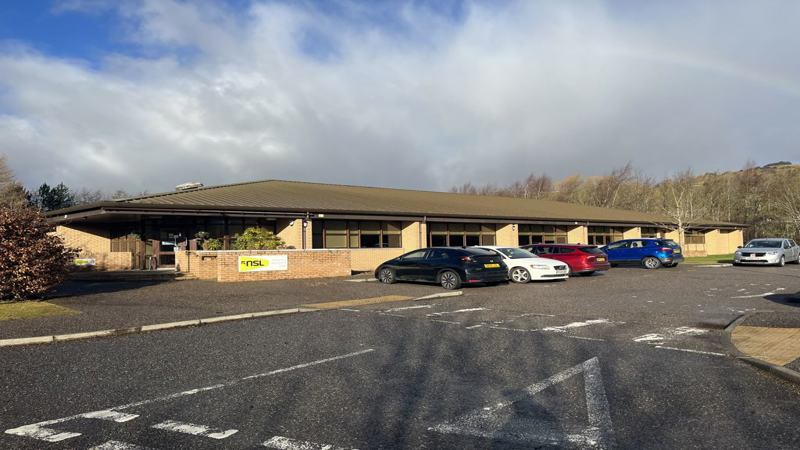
x: 85, y: 262
x: 263, y: 263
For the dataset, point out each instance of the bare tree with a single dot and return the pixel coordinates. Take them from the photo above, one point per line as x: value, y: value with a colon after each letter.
x: 680, y: 202
x: 12, y: 194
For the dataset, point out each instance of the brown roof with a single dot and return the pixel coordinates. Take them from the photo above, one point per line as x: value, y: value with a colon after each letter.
x: 277, y: 196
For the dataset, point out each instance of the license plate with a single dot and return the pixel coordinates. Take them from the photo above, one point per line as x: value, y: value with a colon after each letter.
x: 601, y: 260
x: 491, y: 266
x: 677, y: 252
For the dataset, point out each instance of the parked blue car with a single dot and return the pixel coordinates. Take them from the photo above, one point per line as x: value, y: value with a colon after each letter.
x: 649, y: 252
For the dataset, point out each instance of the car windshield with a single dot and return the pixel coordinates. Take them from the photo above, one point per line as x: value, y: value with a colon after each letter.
x: 592, y: 250
x: 763, y: 243
x: 516, y: 253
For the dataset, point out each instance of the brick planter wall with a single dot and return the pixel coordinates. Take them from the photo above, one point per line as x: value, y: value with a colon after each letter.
x: 223, y: 266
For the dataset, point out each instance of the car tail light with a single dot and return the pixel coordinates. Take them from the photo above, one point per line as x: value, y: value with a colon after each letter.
x: 666, y: 249
x: 467, y: 259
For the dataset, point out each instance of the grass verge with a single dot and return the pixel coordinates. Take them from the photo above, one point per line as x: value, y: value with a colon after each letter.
x: 710, y: 259
x: 32, y: 310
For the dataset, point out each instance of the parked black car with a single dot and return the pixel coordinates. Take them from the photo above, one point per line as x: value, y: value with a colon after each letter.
x: 447, y: 266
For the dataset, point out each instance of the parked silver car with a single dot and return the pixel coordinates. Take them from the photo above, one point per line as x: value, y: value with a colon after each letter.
x: 771, y: 251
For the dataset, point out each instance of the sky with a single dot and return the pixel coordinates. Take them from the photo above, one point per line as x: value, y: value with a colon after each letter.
x: 143, y: 95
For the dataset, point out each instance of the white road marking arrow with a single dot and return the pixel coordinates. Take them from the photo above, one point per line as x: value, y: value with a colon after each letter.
x: 499, y: 423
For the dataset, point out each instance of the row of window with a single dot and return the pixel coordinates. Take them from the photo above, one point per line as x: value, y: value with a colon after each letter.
x: 355, y: 234
x: 542, y: 234
x: 461, y: 234
x: 388, y: 234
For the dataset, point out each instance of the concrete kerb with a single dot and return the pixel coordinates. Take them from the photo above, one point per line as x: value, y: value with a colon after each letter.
x: 779, y: 371
x: 146, y: 328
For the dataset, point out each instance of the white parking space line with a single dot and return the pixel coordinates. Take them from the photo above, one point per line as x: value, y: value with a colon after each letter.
x: 390, y: 314
x: 508, y: 329
x: 118, y: 445
x: 690, y: 350
x: 111, y: 415
x: 403, y: 308
x: 458, y: 311
x: 755, y: 295
x: 285, y: 443
x: 193, y: 429
x: 564, y: 328
x: 472, y: 327
x: 349, y: 309
x: 446, y: 321
x: 40, y: 431
x: 584, y: 338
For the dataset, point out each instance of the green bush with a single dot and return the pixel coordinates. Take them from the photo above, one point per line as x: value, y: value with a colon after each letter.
x: 255, y: 238
x: 212, y: 244
x: 33, y: 261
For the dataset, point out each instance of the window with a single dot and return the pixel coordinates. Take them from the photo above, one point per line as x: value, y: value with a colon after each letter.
x: 542, y: 234
x: 461, y: 234
x: 419, y: 254
x: 356, y: 234
x: 604, y: 235
x: 695, y: 238
x: 651, y: 232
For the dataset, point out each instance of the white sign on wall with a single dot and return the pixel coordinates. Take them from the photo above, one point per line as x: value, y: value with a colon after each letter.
x: 263, y: 263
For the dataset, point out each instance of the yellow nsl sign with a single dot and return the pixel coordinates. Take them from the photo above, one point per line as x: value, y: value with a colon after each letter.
x: 263, y: 263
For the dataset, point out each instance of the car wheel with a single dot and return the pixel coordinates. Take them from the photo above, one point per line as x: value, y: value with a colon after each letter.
x: 386, y: 276
x: 651, y: 263
x: 449, y: 280
x: 586, y: 274
x: 796, y: 261
x: 782, y: 262
x: 520, y: 275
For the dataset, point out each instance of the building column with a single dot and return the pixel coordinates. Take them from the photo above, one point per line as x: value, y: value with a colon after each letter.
x: 632, y: 233
x: 414, y: 235
x: 291, y: 232
x: 507, y: 235
x: 578, y: 235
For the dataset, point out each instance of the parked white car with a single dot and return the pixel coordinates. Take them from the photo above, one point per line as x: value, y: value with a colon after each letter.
x: 524, y: 266
x: 769, y: 251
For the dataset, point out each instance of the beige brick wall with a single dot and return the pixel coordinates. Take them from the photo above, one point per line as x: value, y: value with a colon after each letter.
x: 201, y: 264
x: 368, y: 259
x: 721, y: 242
x: 414, y: 235
x: 223, y: 266
x: 507, y: 235
x: 90, y: 241
x: 94, y: 243
x: 291, y: 231
x: 578, y: 235
x: 632, y: 233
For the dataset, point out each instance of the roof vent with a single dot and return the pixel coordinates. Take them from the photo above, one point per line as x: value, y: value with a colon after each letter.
x: 188, y: 186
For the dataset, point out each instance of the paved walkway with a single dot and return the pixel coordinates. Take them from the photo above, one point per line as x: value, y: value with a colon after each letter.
x: 109, y: 305
x: 770, y: 337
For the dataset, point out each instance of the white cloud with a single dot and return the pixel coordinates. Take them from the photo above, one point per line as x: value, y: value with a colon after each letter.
x: 284, y: 91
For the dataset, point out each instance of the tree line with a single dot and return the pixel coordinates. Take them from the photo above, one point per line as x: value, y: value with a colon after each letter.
x: 47, y: 198
x: 766, y: 198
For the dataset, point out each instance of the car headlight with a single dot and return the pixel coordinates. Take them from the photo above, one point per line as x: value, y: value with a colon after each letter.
x: 539, y: 266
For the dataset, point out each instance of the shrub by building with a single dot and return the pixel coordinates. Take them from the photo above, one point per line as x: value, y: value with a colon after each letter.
x: 33, y: 260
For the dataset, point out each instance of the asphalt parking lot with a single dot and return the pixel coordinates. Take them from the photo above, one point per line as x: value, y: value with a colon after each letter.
x: 628, y: 359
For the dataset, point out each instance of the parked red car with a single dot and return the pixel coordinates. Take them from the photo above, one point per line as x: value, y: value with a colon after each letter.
x: 581, y: 259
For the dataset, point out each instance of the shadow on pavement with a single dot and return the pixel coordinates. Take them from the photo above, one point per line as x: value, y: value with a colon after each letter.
x: 785, y: 299
x: 71, y: 288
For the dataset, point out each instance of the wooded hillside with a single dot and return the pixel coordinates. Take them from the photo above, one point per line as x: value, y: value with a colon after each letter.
x: 766, y: 198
